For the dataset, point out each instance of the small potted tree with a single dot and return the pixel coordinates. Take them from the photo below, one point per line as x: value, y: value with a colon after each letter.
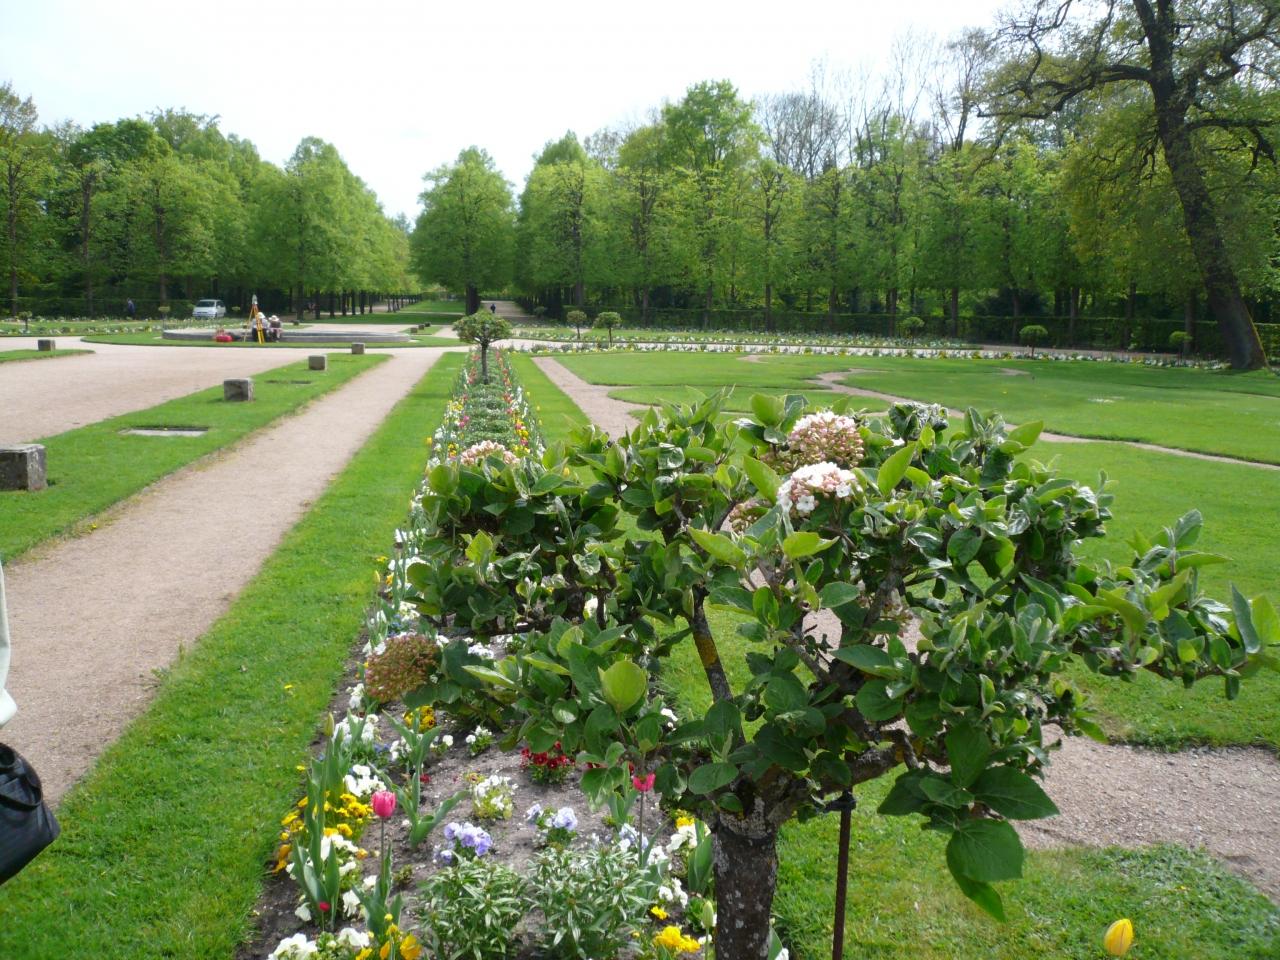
x: 577, y: 318
x: 482, y: 328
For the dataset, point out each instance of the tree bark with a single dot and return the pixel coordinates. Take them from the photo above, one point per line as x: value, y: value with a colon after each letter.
x: 1189, y: 324
x: 955, y: 311
x: 1073, y: 313
x: 473, y: 300
x: 746, y: 875
x: 768, y: 307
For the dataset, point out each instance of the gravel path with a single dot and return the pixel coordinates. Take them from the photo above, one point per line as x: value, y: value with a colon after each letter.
x: 1226, y: 801
x: 41, y: 399
x: 92, y: 619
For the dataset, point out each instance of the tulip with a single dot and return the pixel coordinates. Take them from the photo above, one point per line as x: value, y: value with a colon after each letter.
x: 1119, y: 937
x: 384, y: 804
x: 643, y: 784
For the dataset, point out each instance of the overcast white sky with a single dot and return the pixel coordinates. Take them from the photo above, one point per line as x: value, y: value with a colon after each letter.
x: 400, y: 87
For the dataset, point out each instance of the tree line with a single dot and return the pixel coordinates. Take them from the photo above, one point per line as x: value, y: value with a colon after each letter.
x: 1074, y: 162
x: 167, y: 209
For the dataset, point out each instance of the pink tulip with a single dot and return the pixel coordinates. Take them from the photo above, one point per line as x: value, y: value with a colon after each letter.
x: 384, y: 804
x: 643, y: 784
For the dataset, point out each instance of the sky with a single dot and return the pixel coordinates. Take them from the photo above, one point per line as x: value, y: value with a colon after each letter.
x: 400, y: 87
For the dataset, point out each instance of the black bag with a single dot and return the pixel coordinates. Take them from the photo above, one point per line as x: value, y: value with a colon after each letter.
x: 26, y: 825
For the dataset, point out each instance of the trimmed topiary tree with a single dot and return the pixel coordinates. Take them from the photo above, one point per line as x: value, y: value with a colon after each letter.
x: 482, y: 328
x: 911, y: 327
x: 607, y: 320
x: 1180, y: 340
x: 904, y: 597
x: 1032, y: 334
x: 577, y: 318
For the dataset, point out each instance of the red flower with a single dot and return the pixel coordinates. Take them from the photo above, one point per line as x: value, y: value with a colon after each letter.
x: 324, y: 906
x: 425, y: 778
x: 643, y: 784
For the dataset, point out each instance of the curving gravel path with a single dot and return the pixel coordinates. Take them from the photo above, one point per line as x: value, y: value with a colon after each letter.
x: 92, y: 619
x: 1226, y: 801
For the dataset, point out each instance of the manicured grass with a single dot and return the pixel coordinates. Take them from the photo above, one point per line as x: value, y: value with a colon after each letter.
x: 558, y: 413
x: 1236, y: 415
x: 902, y: 902
x: 92, y: 467
x: 164, y: 843
x: 17, y: 356
x: 454, y: 308
x: 156, y: 340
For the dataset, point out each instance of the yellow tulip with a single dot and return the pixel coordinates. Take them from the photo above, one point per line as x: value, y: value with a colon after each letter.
x: 1119, y: 937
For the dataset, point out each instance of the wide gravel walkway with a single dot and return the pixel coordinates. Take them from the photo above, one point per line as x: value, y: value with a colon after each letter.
x: 92, y: 619
x: 1226, y: 801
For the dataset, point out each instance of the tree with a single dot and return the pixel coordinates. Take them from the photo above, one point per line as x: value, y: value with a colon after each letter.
x: 23, y: 166
x: 463, y: 237
x: 1195, y: 61
x: 482, y: 328
x: 878, y: 525
x: 608, y: 320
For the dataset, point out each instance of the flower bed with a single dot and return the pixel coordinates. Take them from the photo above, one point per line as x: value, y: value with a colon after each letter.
x: 422, y: 828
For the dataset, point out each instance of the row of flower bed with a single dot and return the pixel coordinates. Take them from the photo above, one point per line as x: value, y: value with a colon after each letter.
x: 424, y: 830
x: 802, y: 346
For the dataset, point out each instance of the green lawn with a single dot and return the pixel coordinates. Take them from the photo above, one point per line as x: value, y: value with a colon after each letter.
x: 92, y: 467
x: 164, y: 843
x: 156, y: 340
x: 453, y: 308
x: 1235, y: 415
x: 16, y: 356
x: 902, y: 902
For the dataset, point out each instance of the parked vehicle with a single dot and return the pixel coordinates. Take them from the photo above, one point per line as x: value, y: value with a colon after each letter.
x: 209, y: 310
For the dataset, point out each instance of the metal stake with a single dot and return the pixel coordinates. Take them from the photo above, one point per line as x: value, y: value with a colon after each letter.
x: 845, y: 804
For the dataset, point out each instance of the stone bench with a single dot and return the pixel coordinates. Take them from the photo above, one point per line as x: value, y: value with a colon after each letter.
x: 237, y: 391
x: 46, y: 346
x: 357, y: 349
x: 318, y: 362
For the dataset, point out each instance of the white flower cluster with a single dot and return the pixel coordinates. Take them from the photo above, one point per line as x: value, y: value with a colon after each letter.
x: 799, y: 492
x: 825, y: 436
x: 299, y: 946
x: 362, y: 781
x: 478, y: 452
x: 493, y: 798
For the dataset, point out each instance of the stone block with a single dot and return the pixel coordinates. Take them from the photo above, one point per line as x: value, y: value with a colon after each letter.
x: 318, y: 362
x: 357, y: 349
x: 47, y: 346
x: 237, y: 391
x: 22, y: 467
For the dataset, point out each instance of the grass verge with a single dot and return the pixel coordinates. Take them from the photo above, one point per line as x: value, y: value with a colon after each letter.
x: 164, y: 842
x: 93, y: 467
x: 156, y: 340
x: 903, y: 904
x: 16, y: 356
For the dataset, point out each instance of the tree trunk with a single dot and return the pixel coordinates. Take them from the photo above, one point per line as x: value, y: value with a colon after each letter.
x: 12, y: 235
x: 1073, y: 314
x: 768, y: 307
x: 706, y: 307
x: 644, y: 306
x: 484, y: 362
x: 1189, y: 324
x: 579, y: 294
x: 955, y: 312
x: 746, y: 874
x: 832, y: 300
x: 1199, y: 214
x: 1130, y: 312
x: 473, y: 300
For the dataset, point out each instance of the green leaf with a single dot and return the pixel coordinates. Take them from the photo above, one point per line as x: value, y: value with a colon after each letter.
x: 623, y: 684
x: 838, y: 594
x: 763, y: 477
x: 804, y: 543
x: 986, y: 851
x: 893, y: 469
x: 723, y: 721
x: 1244, y: 622
x: 1266, y: 623
x: 1012, y: 793
x: 1028, y: 433
x: 768, y: 409
x: 868, y: 659
x: 875, y: 704
x: 479, y: 549
x: 711, y: 777
x: 945, y: 792
x: 968, y: 749
x: 983, y: 894
x: 719, y: 547
x: 784, y: 693
x: 964, y: 546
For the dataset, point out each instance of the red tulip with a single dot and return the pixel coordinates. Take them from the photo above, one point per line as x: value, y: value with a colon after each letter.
x: 384, y: 803
x: 324, y: 906
x: 643, y: 784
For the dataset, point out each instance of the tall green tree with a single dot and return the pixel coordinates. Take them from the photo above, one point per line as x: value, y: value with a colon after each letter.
x: 464, y: 236
x: 24, y: 166
x: 1202, y: 65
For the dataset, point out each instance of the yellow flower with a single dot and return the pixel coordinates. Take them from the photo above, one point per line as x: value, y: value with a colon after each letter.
x: 672, y: 939
x: 365, y: 954
x: 685, y: 822
x: 410, y: 949
x: 658, y: 912
x: 1119, y: 937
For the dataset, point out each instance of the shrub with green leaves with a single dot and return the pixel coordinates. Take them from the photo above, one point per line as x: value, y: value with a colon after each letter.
x: 471, y: 910
x: 912, y: 612
x: 591, y: 901
x: 1032, y: 334
x: 910, y: 326
x: 482, y: 328
x: 577, y: 318
x: 607, y: 320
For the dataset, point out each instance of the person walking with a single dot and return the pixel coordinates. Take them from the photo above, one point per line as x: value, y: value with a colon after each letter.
x: 493, y: 308
x: 130, y: 308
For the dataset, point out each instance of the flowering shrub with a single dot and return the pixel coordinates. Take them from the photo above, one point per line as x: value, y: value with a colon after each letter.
x: 948, y: 528
x: 493, y: 798
x: 822, y: 436
x: 473, y: 911
x: 347, y: 944
x: 479, y: 740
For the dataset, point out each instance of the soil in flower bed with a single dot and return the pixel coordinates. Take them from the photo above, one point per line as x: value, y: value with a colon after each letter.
x: 513, y: 839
